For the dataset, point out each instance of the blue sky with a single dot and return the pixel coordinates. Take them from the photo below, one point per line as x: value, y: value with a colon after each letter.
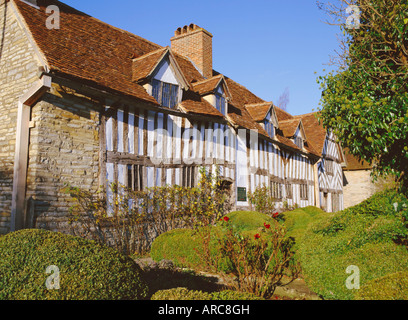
x: 265, y: 45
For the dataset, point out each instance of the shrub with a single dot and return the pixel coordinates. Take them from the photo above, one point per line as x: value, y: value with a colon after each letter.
x: 249, y: 264
x: 262, y: 200
x: 185, y: 294
x: 88, y: 271
x: 178, y: 246
x: 365, y: 236
x: 390, y: 287
x: 298, y: 220
x: 248, y: 220
x: 130, y: 220
x: 233, y: 295
x: 181, y: 294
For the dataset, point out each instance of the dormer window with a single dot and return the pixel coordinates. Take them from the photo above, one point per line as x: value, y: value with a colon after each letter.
x: 220, y: 103
x: 299, y: 142
x: 269, y: 128
x: 166, y: 94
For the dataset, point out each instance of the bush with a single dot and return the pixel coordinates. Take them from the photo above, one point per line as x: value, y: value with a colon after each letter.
x: 298, y: 220
x: 129, y: 220
x: 254, y: 264
x: 365, y: 236
x: 248, y: 220
x: 181, y: 294
x: 178, y: 245
x: 185, y: 294
x: 234, y: 295
x: 88, y: 271
x: 390, y: 287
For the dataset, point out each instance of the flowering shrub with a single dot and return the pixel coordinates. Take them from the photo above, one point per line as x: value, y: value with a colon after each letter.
x: 262, y: 200
x: 256, y: 264
x: 130, y: 220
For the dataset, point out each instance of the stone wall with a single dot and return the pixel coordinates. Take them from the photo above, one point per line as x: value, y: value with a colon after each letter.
x: 358, y: 186
x: 64, y: 148
x: 18, y: 71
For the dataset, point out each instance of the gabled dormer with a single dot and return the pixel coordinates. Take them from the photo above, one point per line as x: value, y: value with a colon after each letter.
x: 293, y: 129
x: 161, y: 76
x: 215, y: 91
x: 265, y: 115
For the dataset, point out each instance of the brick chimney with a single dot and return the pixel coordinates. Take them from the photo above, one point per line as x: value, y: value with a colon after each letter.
x: 195, y: 43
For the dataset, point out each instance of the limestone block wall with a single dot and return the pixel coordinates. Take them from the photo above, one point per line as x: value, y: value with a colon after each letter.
x: 18, y: 71
x: 358, y: 186
x: 64, y: 148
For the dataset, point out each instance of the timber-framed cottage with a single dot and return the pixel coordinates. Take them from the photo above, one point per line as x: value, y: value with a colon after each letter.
x: 88, y: 103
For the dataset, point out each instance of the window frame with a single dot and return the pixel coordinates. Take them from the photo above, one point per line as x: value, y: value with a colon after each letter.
x: 220, y: 103
x: 276, y: 191
x: 304, y: 191
x: 166, y: 94
x: 298, y: 140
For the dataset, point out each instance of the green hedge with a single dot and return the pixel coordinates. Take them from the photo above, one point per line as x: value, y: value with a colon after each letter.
x: 390, y: 287
x: 364, y: 236
x: 298, y: 220
x: 178, y: 245
x: 185, y: 294
x: 88, y: 271
x: 248, y: 220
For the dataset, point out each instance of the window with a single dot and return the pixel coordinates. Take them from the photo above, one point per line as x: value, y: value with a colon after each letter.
x: 276, y: 190
x: 329, y: 166
x: 304, y: 195
x: 220, y: 103
x: 135, y: 177
x: 188, y: 179
x: 299, y: 142
x: 288, y: 189
x: 165, y: 93
x: 269, y: 128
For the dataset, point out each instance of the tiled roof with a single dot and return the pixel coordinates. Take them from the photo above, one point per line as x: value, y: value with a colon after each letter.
x: 315, y: 132
x: 193, y: 103
x: 259, y: 111
x: 208, y: 85
x: 289, y: 127
x: 353, y: 163
x: 143, y: 66
x: 87, y: 49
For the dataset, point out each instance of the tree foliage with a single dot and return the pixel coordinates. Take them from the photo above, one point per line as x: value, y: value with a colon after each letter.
x: 365, y: 102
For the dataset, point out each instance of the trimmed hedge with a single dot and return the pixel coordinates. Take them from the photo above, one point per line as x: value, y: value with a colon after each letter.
x: 185, y: 294
x: 248, y: 220
x: 298, y: 220
x: 390, y: 287
x: 178, y: 245
x: 88, y: 271
x: 365, y: 236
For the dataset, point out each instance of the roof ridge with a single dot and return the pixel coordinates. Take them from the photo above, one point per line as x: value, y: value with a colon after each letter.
x: 150, y: 54
x: 205, y: 80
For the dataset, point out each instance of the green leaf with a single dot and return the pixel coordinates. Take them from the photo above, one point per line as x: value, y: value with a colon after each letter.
x: 405, y: 21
